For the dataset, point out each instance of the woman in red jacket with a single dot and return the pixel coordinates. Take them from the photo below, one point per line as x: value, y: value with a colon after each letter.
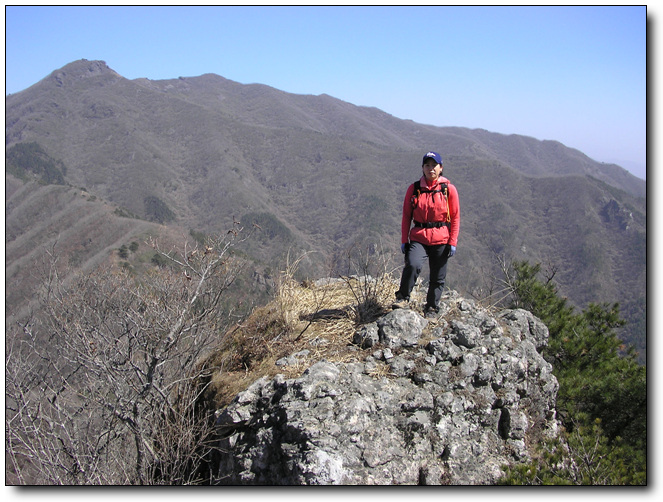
x: 432, y: 204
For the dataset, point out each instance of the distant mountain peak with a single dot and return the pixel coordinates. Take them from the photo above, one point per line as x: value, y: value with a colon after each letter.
x: 81, y: 69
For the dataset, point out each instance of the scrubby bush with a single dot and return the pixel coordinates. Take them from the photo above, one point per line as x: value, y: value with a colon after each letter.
x: 105, y: 385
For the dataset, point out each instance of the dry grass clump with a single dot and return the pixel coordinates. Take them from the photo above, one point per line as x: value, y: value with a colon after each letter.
x: 320, y: 318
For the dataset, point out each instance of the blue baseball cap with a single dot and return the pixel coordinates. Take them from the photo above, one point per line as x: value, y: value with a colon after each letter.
x: 432, y: 155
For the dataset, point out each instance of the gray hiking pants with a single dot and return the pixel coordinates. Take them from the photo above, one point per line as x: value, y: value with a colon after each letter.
x: 415, y: 254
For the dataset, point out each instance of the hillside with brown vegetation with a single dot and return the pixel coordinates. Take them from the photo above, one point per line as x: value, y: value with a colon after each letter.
x: 189, y: 156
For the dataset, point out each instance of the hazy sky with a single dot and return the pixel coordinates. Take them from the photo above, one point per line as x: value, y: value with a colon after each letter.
x: 575, y: 74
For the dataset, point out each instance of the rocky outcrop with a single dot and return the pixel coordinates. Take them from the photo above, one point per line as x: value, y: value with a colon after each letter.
x: 616, y: 216
x: 450, y: 402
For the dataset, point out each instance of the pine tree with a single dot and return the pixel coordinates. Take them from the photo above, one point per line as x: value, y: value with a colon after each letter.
x: 602, y: 398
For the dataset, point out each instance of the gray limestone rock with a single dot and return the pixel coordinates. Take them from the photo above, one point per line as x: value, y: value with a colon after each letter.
x: 452, y: 411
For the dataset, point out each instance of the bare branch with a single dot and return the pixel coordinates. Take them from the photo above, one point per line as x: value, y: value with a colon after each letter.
x: 111, y: 374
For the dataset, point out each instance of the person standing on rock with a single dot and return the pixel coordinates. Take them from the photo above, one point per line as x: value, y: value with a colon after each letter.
x: 432, y: 205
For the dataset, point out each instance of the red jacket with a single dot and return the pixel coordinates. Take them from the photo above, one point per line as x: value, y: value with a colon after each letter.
x: 431, y: 207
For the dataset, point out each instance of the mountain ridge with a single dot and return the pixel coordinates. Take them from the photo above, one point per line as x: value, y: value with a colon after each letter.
x: 326, y: 174
x: 254, y: 95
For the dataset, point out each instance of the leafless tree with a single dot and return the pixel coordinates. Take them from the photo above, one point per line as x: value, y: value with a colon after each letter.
x: 105, y: 384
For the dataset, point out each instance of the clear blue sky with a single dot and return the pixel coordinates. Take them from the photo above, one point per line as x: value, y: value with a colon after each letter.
x: 575, y: 74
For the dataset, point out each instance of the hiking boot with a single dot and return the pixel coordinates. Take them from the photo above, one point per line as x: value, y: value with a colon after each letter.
x: 400, y: 303
x: 431, y: 312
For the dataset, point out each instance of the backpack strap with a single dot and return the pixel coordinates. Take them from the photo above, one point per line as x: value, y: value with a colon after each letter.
x: 418, y: 190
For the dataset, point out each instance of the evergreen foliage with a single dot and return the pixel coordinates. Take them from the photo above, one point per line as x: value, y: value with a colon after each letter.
x: 157, y: 210
x: 197, y: 236
x: 159, y: 260
x: 586, y: 457
x: 271, y: 227
x: 602, y: 398
x: 24, y: 158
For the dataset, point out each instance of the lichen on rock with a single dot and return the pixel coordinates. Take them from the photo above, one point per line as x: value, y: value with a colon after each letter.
x: 451, y: 409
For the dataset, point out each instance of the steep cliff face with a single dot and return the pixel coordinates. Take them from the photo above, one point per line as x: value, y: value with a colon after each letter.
x: 452, y: 407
